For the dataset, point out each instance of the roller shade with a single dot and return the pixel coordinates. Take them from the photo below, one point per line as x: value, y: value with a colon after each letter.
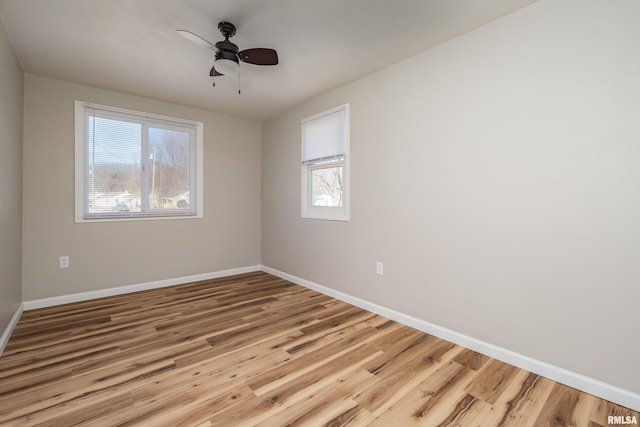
x: 324, y: 137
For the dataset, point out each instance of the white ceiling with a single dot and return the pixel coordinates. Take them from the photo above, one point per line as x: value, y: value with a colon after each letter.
x: 131, y: 45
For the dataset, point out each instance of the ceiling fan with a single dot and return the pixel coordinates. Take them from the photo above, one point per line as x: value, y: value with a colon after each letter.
x: 228, y: 55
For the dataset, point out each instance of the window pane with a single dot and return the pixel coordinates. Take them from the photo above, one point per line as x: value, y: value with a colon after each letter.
x: 169, y: 174
x: 114, y: 168
x: 326, y: 186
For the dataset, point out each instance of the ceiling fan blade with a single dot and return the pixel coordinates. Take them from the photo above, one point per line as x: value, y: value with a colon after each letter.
x: 195, y: 38
x: 259, y: 56
x: 214, y: 73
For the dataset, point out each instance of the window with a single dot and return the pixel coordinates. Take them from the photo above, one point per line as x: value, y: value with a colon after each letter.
x: 136, y: 165
x: 325, y: 165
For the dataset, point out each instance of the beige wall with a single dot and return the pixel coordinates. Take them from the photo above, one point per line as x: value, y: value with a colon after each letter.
x: 497, y: 176
x: 11, y: 106
x: 110, y: 254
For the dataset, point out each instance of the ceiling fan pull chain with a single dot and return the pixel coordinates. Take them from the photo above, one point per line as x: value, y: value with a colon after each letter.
x: 238, y: 81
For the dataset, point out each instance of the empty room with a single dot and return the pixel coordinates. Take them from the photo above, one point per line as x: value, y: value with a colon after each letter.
x: 304, y: 212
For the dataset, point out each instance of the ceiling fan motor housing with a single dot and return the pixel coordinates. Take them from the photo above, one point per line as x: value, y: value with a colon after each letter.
x: 227, y: 29
x: 227, y: 46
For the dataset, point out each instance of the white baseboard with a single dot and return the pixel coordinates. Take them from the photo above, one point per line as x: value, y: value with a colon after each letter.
x: 84, y: 296
x: 572, y: 379
x: 4, y: 339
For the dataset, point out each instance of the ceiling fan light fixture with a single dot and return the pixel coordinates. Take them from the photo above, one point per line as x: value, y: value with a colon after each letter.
x: 228, y: 67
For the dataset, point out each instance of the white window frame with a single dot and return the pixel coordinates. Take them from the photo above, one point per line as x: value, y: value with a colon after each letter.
x: 331, y: 213
x: 82, y: 214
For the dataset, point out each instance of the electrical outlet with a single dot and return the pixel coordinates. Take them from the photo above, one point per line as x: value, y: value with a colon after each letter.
x: 379, y: 268
x: 64, y: 262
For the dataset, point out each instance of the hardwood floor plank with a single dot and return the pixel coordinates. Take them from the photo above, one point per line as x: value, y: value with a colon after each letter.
x: 441, y: 388
x: 315, y: 410
x: 301, y: 365
x: 462, y: 407
x: 559, y: 409
x: 334, y: 320
x: 523, y: 406
x: 48, y: 361
x: 492, y: 380
x: 254, y: 349
x: 484, y: 413
x: 472, y: 359
x: 55, y: 397
x: 184, y: 407
x: 396, y: 384
x: 308, y: 342
x: 396, y: 341
x: 587, y: 413
x: 78, y: 413
x: 326, y: 378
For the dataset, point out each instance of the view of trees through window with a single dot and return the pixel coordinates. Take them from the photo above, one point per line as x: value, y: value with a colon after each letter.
x: 118, y: 179
x: 168, y: 179
x: 326, y: 186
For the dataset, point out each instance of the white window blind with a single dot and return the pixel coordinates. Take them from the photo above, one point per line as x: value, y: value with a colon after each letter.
x: 324, y: 137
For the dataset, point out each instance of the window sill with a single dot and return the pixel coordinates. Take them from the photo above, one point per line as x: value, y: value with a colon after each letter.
x: 327, y: 214
x: 148, y: 217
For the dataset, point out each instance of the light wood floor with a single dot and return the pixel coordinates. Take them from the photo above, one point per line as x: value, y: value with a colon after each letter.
x: 257, y: 350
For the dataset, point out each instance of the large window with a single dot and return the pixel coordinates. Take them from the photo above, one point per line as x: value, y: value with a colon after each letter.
x: 325, y: 165
x: 136, y: 165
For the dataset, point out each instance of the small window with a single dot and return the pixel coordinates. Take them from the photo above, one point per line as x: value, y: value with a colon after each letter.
x: 136, y: 165
x: 325, y: 165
